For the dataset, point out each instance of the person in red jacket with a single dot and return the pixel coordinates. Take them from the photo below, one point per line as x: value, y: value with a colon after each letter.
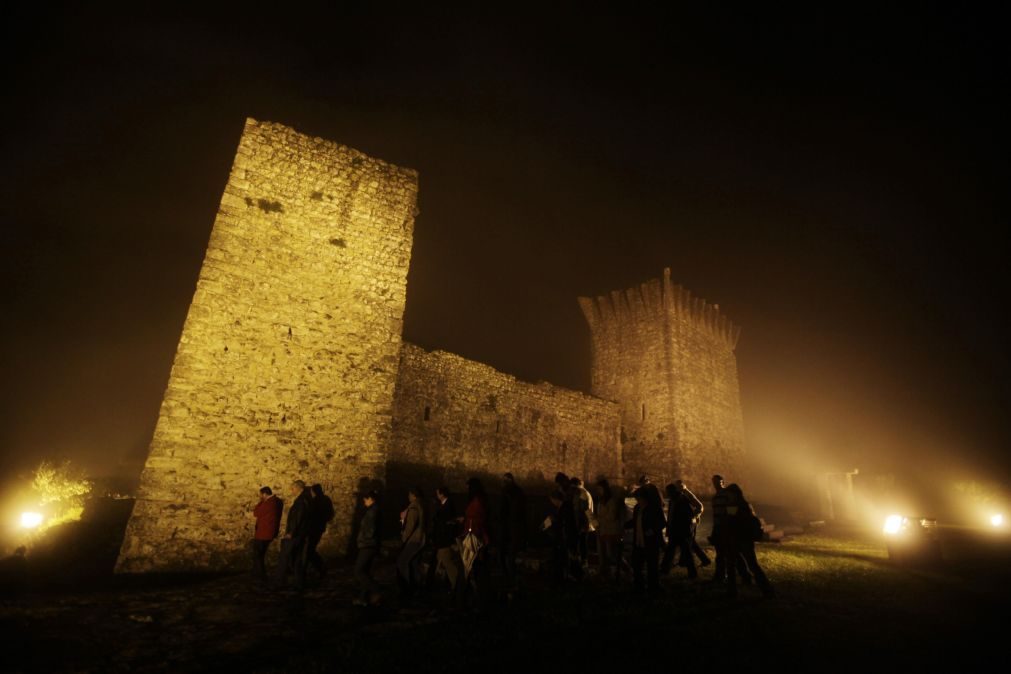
x: 268, y: 522
x: 475, y: 521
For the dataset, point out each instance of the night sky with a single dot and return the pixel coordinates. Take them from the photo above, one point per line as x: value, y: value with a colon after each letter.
x: 837, y: 183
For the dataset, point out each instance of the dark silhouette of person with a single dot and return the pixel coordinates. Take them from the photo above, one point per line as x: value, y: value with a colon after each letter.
x: 611, y: 514
x: 682, y: 510
x: 14, y: 574
x: 564, y: 484
x: 412, y: 537
x: 647, y: 525
x: 268, y: 524
x: 296, y: 537
x: 475, y: 521
x: 697, y: 504
x: 367, y: 544
x: 564, y: 534
x: 513, y: 527
x: 320, y: 516
x: 744, y: 530
x: 582, y: 506
x: 444, y: 530
x: 722, y: 539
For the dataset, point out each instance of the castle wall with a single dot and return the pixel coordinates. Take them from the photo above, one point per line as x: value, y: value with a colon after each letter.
x: 288, y: 357
x: 668, y: 359
x: 483, y: 422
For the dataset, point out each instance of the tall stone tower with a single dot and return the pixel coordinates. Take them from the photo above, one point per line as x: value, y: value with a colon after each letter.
x: 289, y: 354
x: 668, y: 359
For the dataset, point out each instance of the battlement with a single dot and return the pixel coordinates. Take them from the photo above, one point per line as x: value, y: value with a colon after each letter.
x: 654, y: 299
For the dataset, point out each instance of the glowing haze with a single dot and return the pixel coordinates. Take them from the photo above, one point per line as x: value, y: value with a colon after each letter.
x: 833, y: 184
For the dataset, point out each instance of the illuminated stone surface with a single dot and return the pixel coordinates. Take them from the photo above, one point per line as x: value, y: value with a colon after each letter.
x: 291, y: 365
x: 668, y: 358
x: 288, y: 358
x: 483, y: 422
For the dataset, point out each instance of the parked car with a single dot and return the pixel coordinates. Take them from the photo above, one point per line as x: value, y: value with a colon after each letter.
x: 912, y: 540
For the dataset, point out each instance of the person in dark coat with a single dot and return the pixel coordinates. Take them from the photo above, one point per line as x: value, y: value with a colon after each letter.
x: 296, y: 537
x: 320, y: 516
x: 268, y: 524
x: 647, y: 525
x: 744, y: 529
x: 564, y: 534
x: 699, y: 509
x: 412, y: 537
x: 513, y: 523
x: 722, y: 540
x: 611, y: 513
x: 444, y: 530
x: 368, y: 550
x: 681, y: 513
x: 582, y: 506
x: 564, y: 484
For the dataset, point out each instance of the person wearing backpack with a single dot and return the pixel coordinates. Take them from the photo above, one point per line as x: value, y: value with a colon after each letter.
x: 745, y: 531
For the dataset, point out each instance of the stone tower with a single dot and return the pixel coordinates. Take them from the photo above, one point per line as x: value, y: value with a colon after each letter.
x: 668, y: 359
x: 289, y: 354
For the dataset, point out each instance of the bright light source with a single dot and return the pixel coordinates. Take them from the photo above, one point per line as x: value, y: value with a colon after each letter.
x: 996, y: 519
x: 31, y: 520
x: 893, y: 524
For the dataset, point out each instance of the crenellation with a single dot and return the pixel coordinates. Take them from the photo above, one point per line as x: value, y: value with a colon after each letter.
x: 673, y: 371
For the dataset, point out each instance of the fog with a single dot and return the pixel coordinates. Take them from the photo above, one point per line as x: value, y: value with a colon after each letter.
x: 839, y: 206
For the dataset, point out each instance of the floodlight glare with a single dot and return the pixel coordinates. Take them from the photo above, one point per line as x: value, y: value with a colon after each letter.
x: 893, y: 524
x: 996, y: 520
x: 30, y: 520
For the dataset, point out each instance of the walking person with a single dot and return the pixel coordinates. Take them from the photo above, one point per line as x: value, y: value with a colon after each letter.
x: 268, y: 524
x: 746, y: 530
x: 681, y: 513
x: 513, y: 527
x: 564, y: 484
x: 412, y: 537
x: 582, y: 504
x: 564, y: 533
x: 320, y: 516
x: 610, y: 529
x: 475, y: 523
x: 647, y: 525
x: 296, y: 536
x: 699, y: 509
x: 444, y: 530
x: 722, y: 539
x: 368, y: 548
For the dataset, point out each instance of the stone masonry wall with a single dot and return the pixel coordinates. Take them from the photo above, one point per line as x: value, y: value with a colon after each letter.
x: 454, y: 418
x: 288, y: 357
x: 668, y: 359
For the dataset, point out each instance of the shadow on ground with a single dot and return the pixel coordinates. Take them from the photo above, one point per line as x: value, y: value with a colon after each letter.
x: 840, y: 605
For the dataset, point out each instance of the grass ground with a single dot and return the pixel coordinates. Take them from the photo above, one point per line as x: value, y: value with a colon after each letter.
x: 840, y: 604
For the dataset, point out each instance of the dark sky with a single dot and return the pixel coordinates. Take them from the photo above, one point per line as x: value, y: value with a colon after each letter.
x: 837, y: 183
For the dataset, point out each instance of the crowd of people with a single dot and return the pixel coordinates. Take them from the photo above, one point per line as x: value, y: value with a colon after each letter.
x: 645, y: 541
x: 310, y: 512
